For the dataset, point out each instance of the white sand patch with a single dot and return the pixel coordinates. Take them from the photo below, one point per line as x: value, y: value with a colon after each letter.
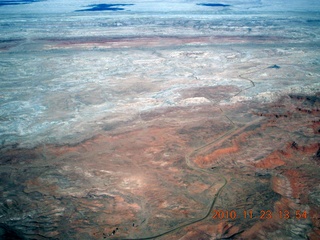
x: 194, y: 101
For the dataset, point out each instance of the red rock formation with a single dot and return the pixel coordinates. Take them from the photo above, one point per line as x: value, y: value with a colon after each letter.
x: 212, y: 157
x: 316, y: 126
x: 274, y: 160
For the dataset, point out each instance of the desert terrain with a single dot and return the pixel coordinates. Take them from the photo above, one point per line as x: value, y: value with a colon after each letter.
x: 149, y: 126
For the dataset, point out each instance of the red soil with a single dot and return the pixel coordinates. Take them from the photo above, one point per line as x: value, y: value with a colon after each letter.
x: 216, y: 154
x: 116, y: 42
